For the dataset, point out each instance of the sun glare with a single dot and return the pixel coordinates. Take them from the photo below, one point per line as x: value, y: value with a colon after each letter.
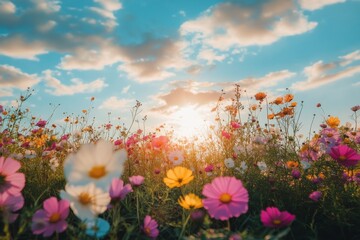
x: 188, y: 122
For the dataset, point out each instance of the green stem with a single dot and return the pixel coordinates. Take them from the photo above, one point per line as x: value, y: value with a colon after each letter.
x: 137, y: 207
x: 184, y: 226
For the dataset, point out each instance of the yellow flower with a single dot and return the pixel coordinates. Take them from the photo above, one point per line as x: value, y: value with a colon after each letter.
x: 178, y: 177
x: 333, y: 122
x: 191, y: 201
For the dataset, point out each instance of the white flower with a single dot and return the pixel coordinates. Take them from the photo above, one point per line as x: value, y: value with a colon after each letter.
x: 87, y: 202
x: 54, y: 164
x: 30, y: 153
x: 262, y: 166
x: 176, y: 157
x: 229, y: 163
x: 96, y: 163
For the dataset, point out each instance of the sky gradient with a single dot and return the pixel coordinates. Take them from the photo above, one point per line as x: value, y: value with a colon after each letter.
x: 176, y: 56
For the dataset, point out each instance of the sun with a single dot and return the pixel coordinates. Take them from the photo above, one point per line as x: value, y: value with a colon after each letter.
x: 188, y: 122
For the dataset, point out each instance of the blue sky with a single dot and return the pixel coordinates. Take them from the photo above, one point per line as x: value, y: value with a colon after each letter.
x: 176, y: 56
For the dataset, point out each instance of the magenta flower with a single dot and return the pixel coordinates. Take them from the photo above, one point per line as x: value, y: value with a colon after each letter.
x: 52, y: 218
x: 117, y: 189
x: 10, y: 204
x: 226, y: 197
x: 41, y: 123
x: 150, y: 227
x: 136, y: 180
x: 10, y: 180
x: 273, y: 218
x: 344, y: 155
x: 315, y: 196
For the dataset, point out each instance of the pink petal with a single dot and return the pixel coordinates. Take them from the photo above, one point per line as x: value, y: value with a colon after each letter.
x: 10, y: 166
x: 17, y: 180
x: 51, y: 205
x: 61, y: 226
x: 49, y: 230
x: 64, y: 208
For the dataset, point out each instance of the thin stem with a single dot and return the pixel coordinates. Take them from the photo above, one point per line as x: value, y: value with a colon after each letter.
x: 184, y: 226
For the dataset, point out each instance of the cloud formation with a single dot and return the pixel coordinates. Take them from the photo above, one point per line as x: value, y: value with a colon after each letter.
x: 13, y: 78
x: 314, y: 5
x: 320, y: 73
x: 57, y: 88
x: 114, y: 103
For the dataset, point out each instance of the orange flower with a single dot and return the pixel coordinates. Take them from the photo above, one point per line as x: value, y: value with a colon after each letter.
x: 292, y: 164
x: 288, y: 97
x: 288, y: 111
x: 260, y: 96
x: 271, y: 116
x: 293, y: 104
x: 278, y: 100
x: 253, y: 107
x: 84, y: 111
x: 333, y: 122
x: 66, y: 119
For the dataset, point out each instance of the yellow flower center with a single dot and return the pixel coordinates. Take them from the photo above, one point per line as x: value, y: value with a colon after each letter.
x: 330, y: 135
x: 54, y: 218
x: 176, y: 158
x: 84, y: 198
x: 97, y: 172
x: 225, y: 198
x: 180, y: 180
x: 276, y: 222
x: 147, y: 231
x: 342, y: 158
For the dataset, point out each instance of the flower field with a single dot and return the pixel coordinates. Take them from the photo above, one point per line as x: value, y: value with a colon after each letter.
x: 247, y: 178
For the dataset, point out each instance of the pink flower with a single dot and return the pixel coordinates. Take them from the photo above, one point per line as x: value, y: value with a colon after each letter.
x: 10, y: 204
x: 209, y: 168
x: 52, y: 218
x: 273, y: 218
x: 150, y: 227
x: 315, y: 196
x: 10, y: 180
x: 118, y: 142
x: 226, y: 197
x: 41, y: 123
x: 159, y: 142
x: 235, y: 125
x: 136, y: 180
x: 118, y: 190
x: 226, y: 134
x: 344, y: 155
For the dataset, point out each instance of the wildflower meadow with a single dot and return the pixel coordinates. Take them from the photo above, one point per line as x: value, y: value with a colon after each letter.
x: 248, y: 177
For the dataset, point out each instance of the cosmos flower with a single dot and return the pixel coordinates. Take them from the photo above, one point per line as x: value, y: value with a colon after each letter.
x: 10, y: 204
x: 176, y: 157
x: 229, y: 162
x: 260, y: 96
x: 136, y: 180
x: 97, y: 228
x: 41, y: 123
x: 150, y: 227
x: 178, y: 177
x: 118, y: 190
x: 333, y: 122
x: 226, y: 197
x: 96, y: 163
x: 190, y: 201
x: 315, y: 196
x: 159, y: 142
x: 273, y: 218
x: 345, y: 155
x: 52, y: 218
x: 86, y: 201
x: 11, y: 181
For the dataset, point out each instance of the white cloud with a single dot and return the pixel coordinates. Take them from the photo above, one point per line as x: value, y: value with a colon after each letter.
x: 12, y: 77
x: 7, y: 7
x: 114, y: 103
x: 349, y: 58
x: 103, y: 12
x: 111, y: 5
x: 48, y: 6
x: 57, y: 88
x: 6, y: 92
x: 231, y: 25
x: 320, y: 73
x: 17, y: 47
x: 317, y: 4
x: 210, y: 56
x: 125, y: 89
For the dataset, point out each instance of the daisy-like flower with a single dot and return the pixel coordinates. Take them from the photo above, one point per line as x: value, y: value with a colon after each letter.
x: 10, y: 180
x: 273, y: 218
x: 97, y: 228
x: 226, y: 197
x: 333, y: 122
x: 345, y: 155
x: 10, y: 204
x: 159, y: 142
x: 190, y: 201
x: 315, y: 196
x: 86, y: 201
x: 176, y: 157
x: 118, y: 191
x: 136, y: 180
x: 229, y: 163
x: 52, y: 218
x: 150, y: 227
x: 178, y: 177
x: 96, y: 163
x: 260, y: 96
